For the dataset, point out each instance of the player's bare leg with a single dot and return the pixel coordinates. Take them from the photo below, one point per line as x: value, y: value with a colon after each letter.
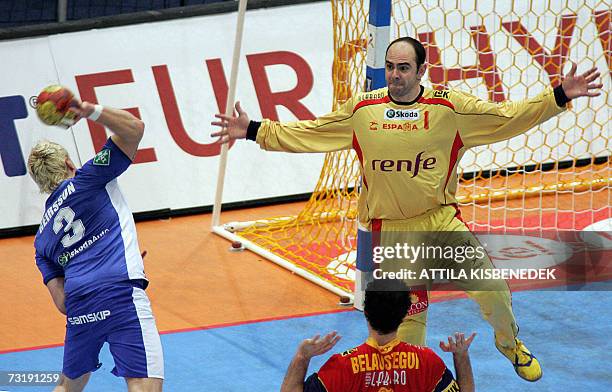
x: 144, y: 384
x: 69, y: 385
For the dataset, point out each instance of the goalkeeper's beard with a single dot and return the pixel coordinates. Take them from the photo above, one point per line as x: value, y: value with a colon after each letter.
x: 400, y: 92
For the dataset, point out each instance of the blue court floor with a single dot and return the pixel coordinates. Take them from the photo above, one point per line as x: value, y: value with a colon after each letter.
x: 569, y: 331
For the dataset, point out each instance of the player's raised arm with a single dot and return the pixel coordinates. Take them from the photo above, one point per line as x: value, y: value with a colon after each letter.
x: 482, y: 122
x: 294, y: 378
x: 459, y: 346
x: 331, y: 132
x: 127, y: 129
x: 576, y: 86
x: 232, y: 127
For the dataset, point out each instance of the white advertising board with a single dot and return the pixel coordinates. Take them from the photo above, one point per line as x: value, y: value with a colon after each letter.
x: 174, y: 73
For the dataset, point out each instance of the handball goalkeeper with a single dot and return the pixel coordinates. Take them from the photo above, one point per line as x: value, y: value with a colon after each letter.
x: 409, y: 140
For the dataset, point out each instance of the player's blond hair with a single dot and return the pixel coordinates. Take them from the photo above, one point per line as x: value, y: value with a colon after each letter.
x: 47, y: 165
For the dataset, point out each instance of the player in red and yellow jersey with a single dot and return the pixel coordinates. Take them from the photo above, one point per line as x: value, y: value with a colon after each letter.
x: 409, y: 140
x: 383, y: 363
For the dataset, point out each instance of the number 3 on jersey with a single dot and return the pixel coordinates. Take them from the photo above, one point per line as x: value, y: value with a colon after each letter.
x: 78, y: 230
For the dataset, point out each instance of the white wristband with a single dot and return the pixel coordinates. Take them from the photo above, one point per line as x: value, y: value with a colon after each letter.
x: 96, y: 113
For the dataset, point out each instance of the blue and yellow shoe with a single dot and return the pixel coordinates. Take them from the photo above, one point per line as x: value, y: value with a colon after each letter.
x: 526, y: 365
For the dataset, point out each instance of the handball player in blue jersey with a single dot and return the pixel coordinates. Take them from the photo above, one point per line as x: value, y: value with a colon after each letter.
x: 87, y: 252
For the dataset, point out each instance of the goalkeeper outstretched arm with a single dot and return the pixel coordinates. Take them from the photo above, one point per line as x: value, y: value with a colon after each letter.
x: 331, y: 132
x: 481, y: 122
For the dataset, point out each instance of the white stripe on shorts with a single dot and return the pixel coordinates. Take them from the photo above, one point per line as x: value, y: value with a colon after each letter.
x: 150, y: 336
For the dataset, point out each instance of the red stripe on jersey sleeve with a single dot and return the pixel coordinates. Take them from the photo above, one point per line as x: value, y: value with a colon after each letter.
x: 357, y: 149
x: 436, y: 101
x: 368, y: 102
x: 457, y: 144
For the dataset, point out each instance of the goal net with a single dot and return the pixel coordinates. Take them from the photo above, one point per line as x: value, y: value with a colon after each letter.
x: 556, y: 176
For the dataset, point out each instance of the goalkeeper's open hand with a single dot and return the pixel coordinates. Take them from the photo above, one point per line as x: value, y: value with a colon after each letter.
x: 232, y: 127
x: 583, y: 85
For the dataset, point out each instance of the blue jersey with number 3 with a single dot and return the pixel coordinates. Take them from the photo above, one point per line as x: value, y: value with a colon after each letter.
x: 87, y: 233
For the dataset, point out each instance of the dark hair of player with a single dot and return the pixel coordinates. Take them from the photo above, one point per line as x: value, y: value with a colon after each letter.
x: 418, y: 47
x: 386, y: 304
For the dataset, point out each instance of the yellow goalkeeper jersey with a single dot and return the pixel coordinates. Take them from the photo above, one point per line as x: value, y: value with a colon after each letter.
x: 409, y: 151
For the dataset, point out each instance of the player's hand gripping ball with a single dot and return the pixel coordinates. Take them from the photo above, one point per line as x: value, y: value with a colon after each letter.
x: 52, y: 106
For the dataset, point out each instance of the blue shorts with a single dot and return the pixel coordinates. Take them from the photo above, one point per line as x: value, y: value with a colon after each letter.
x: 121, y: 316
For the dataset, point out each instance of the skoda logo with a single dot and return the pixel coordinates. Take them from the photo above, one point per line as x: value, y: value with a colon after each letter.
x: 390, y: 113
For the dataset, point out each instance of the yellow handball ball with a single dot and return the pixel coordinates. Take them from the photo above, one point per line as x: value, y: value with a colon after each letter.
x: 52, y: 106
